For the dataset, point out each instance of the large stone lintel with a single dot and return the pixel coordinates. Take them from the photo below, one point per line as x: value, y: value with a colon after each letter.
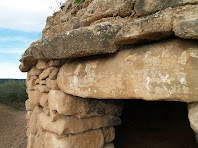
x: 165, y: 70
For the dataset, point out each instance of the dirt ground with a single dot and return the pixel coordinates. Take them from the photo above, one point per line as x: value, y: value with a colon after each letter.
x: 12, y: 128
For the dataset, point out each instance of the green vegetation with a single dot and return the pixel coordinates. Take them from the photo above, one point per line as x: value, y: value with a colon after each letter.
x: 13, y: 93
x: 79, y: 1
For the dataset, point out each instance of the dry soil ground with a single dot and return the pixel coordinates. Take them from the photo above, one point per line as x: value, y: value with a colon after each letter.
x: 12, y: 128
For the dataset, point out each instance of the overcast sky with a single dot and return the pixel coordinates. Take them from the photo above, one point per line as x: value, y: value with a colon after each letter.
x: 21, y: 22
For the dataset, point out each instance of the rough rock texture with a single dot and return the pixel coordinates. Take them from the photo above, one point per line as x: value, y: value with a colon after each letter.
x: 56, y: 119
x: 73, y: 125
x: 50, y: 140
x: 193, y: 116
x: 159, y: 71
x: 144, y: 7
x: 96, y: 39
x: 181, y: 21
x: 152, y: 53
x: 66, y: 104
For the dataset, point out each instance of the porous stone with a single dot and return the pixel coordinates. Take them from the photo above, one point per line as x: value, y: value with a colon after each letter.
x: 144, y: 7
x: 29, y: 106
x: 52, y: 84
x: 42, y: 64
x: 109, y: 134
x: 56, y: 62
x: 89, y: 139
x: 66, y: 105
x: 34, y: 72
x: 185, y: 22
x: 34, y: 97
x: 30, y: 83
x: 42, y: 82
x: 181, y: 21
x: 193, y: 116
x: 158, y: 71
x: 44, y: 100
x: 43, y: 88
x: 33, y: 120
x: 108, y: 145
x: 73, y: 125
x: 153, y: 27
x: 98, y: 9
x: 27, y: 62
x: 31, y: 141
x: 85, y: 41
x: 54, y: 115
x: 46, y: 73
x: 54, y: 73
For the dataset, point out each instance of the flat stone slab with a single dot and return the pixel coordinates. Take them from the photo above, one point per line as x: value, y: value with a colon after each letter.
x: 90, y: 139
x: 72, y: 125
x: 85, y: 41
x: 145, y: 7
x: 181, y: 21
x: 165, y: 70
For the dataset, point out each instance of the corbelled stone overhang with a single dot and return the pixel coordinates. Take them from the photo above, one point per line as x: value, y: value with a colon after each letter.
x: 93, y: 53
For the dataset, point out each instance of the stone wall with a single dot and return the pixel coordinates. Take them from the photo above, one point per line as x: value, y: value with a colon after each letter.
x: 56, y: 119
x: 98, y: 50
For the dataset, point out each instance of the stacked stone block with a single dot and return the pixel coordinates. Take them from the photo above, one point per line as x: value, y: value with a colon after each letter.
x: 152, y: 55
x: 56, y: 119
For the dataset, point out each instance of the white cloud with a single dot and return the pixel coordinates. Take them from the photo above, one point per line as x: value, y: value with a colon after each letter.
x: 11, y: 70
x: 12, y: 51
x: 16, y: 38
x: 26, y: 15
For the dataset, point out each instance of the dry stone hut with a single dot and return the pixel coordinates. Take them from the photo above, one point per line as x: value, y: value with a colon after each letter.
x: 101, y: 62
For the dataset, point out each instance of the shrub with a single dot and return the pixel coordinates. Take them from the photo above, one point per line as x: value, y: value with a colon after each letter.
x: 79, y: 1
x: 13, y: 92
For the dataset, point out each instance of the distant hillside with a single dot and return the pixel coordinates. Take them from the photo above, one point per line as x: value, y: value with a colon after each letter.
x: 3, y: 80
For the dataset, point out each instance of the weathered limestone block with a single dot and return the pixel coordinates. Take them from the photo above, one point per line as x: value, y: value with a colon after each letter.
x: 34, y: 72
x: 43, y: 88
x: 42, y: 82
x: 46, y: 73
x: 31, y: 141
x: 98, y: 9
x: 29, y: 106
x: 33, y: 120
x: 42, y: 64
x: 31, y: 83
x: 153, y: 27
x: 85, y: 41
x: 181, y: 21
x: 89, y: 139
x: 27, y: 62
x: 54, y: 115
x: 34, y: 97
x: 70, y: 105
x: 144, y: 7
x: 109, y: 134
x: 28, y: 115
x: 108, y: 145
x: 44, y: 100
x: 73, y: 125
x: 56, y: 63
x: 185, y: 22
x: 52, y: 84
x: 54, y: 73
x: 165, y: 70
x: 193, y: 116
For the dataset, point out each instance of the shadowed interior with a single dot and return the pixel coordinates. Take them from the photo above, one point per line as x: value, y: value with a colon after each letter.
x: 154, y: 125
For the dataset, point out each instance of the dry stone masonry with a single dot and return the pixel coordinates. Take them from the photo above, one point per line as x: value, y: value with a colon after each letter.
x: 95, y: 53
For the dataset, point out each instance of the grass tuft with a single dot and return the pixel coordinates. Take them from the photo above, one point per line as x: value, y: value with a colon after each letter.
x: 79, y: 1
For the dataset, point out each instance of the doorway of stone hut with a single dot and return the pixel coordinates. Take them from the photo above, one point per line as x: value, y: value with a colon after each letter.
x: 152, y: 124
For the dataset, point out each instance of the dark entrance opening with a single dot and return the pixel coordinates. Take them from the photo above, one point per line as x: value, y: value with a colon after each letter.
x: 152, y: 124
